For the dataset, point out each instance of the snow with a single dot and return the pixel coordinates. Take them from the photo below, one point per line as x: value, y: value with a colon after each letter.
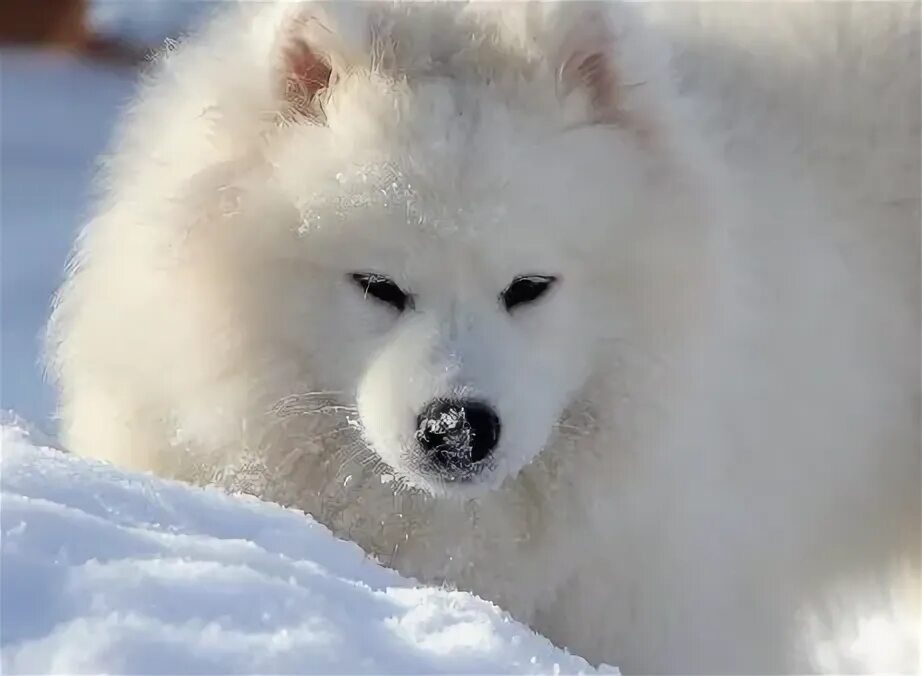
x: 106, y: 571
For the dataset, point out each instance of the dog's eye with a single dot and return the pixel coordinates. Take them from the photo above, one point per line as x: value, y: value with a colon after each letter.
x: 526, y: 289
x: 383, y: 289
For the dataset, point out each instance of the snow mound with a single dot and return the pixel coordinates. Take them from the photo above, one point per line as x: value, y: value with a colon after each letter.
x: 106, y: 571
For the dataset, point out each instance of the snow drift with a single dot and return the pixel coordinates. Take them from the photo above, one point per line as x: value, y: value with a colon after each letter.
x: 105, y: 571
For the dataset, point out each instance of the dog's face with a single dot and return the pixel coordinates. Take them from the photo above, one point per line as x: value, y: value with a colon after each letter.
x: 469, y: 358
x: 472, y: 346
x: 465, y: 262
x: 463, y: 325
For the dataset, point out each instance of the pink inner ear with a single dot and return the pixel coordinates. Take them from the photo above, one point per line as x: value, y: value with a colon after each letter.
x: 596, y: 75
x: 306, y: 74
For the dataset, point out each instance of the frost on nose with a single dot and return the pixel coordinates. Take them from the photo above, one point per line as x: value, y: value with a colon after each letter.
x: 457, y: 435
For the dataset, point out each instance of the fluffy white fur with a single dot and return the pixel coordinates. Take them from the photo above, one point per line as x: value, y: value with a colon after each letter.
x: 710, y: 449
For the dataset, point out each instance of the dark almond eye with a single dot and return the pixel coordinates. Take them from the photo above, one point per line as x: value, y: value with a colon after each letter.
x: 383, y: 289
x: 526, y: 289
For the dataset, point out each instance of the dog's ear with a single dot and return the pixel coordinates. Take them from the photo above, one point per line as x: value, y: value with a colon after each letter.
x: 316, y: 45
x: 303, y: 68
x: 591, y: 61
x: 305, y: 74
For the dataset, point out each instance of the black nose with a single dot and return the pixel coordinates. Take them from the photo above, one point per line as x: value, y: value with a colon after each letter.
x: 456, y: 434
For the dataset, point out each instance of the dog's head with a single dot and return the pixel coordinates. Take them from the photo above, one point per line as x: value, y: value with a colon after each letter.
x: 488, y: 201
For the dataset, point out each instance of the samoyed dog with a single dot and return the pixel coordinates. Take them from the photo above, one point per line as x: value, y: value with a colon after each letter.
x: 607, y: 312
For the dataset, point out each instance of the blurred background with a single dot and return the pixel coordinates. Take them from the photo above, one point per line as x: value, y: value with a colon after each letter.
x: 66, y: 69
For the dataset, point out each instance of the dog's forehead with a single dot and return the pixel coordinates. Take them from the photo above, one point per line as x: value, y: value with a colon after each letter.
x: 424, y: 239
x: 456, y: 172
x: 443, y: 133
x: 384, y: 206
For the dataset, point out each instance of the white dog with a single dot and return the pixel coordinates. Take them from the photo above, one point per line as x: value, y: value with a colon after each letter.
x: 609, y: 314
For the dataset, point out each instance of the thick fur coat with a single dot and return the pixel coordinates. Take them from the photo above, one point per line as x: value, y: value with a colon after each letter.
x: 709, y: 456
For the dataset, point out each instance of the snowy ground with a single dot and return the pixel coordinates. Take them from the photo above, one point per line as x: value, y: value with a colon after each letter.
x: 104, y: 571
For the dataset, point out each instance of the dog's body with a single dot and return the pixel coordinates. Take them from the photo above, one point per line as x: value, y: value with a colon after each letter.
x: 720, y: 364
